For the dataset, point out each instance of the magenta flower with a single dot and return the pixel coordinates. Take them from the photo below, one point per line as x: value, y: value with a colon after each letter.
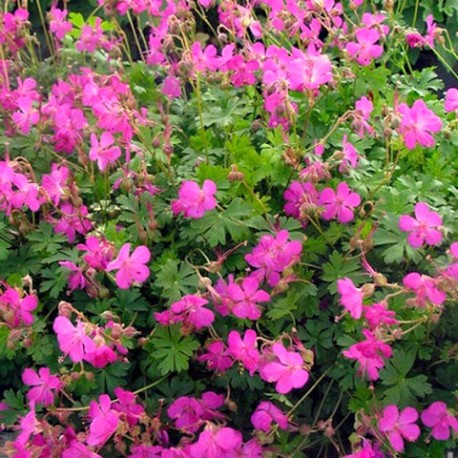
x: 425, y: 289
x: 350, y: 156
x: 288, y: 371
x: 399, y: 426
x: 362, y: 112
x: 17, y: 310
x: 217, y: 357
x: 424, y: 228
x: 272, y: 255
x: 192, y: 201
x: 73, y: 340
x: 437, y: 417
x: 187, y: 413
x: 216, y: 442
x: 301, y: 200
x: 104, y: 421
x: 351, y: 297
x: 131, y: 268
x: 191, y: 309
x: 245, y: 298
x: 44, y: 385
x: 246, y: 350
x: 451, y: 100
x: 27, y: 116
x: 76, y: 278
x: 378, y: 314
x: 57, y: 23
x: 103, y: 152
x: 127, y: 407
x: 370, y: 354
x: 99, y: 252
x: 364, y: 50
x: 417, y: 124
x: 267, y: 413
x: 339, y: 204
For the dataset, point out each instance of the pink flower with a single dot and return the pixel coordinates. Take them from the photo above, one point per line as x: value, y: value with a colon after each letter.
x: 73, y: 220
x: 437, y: 417
x: 339, y: 204
x: 171, y: 87
x: 131, y: 268
x: 265, y: 414
x: 272, y: 255
x: 192, y: 201
x: 102, y: 151
x: 417, y: 124
x: 55, y: 183
x: 104, y: 421
x: 192, y: 307
x: 424, y: 288
x: 73, y: 340
x: 351, y: 297
x: 99, y: 252
x: 364, y: 50
x: 301, y: 200
x: 246, y: 298
x: 127, y: 407
x: 288, y: 371
x: 17, y: 308
x: 217, y: 357
x: 246, y: 350
x: 57, y: 23
x: 370, y: 354
x: 398, y: 426
x: 378, y: 314
x: 187, y: 413
x: 27, y: 116
x: 362, y: 112
x: 76, y: 278
x: 424, y: 228
x: 350, y: 156
x: 216, y: 442
x: 451, y: 100
x: 44, y: 385
x: 367, y: 451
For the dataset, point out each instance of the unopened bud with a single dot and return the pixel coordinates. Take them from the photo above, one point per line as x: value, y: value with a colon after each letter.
x: 65, y: 309
x: 380, y: 280
x: 368, y: 289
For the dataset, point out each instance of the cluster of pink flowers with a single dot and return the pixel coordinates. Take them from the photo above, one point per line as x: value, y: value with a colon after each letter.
x: 303, y: 201
x: 16, y: 306
x: 275, y: 363
x: 189, y: 311
x: 194, y: 202
x: 94, y: 344
x: 272, y: 256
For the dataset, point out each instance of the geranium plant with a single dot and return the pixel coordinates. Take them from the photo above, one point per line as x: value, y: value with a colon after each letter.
x: 227, y: 230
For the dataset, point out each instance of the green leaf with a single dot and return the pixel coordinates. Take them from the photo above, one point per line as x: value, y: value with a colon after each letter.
x: 45, y: 240
x: 175, y: 279
x: 215, y: 227
x: 403, y: 390
x: 339, y: 267
x: 171, y: 349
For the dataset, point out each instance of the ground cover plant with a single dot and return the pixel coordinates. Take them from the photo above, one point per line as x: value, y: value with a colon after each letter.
x: 228, y: 229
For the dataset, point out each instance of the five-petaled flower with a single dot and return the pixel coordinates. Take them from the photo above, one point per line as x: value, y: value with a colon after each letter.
x: 424, y: 228
x: 192, y: 201
x: 131, y: 268
x: 287, y: 371
x: 399, y: 426
x: 417, y: 124
x: 339, y: 204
